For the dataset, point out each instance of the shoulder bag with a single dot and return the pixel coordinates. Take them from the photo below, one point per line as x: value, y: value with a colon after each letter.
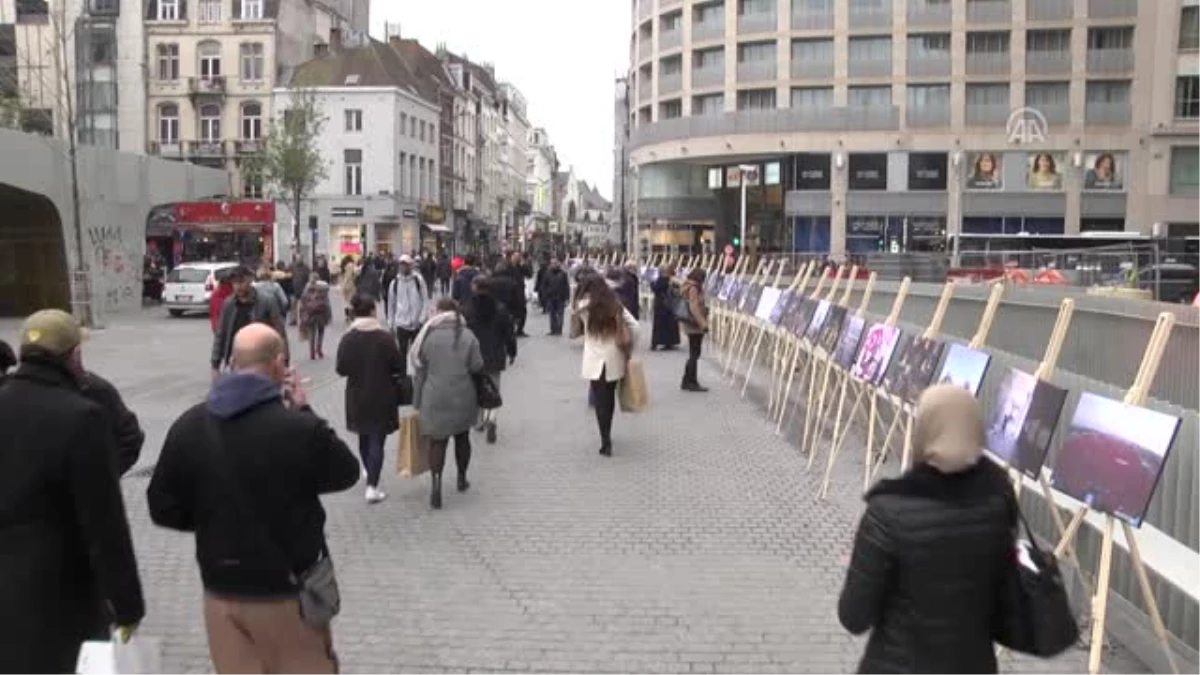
x: 487, y: 394
x: 1034, y: 612
x: 681, y: 306
x: 320, y: 599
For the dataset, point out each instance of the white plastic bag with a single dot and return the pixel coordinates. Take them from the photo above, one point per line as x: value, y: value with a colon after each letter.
x: 139, y: 655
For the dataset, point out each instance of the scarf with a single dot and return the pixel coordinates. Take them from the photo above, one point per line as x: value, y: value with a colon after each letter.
x: 366, y: 323
x: 414, y: 352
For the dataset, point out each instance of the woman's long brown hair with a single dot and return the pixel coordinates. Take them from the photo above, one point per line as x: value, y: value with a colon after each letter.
x: 605, y: 313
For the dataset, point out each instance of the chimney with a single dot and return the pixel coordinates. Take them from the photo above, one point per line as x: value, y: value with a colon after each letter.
x: 335, y: 40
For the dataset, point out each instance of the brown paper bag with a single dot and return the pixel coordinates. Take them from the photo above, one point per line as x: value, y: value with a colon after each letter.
x: 632, y: 393
x: 412, y: 456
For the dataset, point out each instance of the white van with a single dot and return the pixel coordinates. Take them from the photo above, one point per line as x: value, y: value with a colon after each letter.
x: 190, y: 286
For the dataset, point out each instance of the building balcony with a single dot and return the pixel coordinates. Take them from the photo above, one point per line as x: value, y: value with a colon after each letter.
x: 664, y: 5
x: 645, y: 9
x: 989, y: 63
x: 1108, y: 114
x: 768, y: 122
x: 1112, y: 9
x: 670, y: 39
x: 245, y: 147
x: 757, y: 71
x: 922, y: 117
x: 645, y: 47
x: 166, y: 150
x: 708, y: 77
x: 709, y: 30
x: 928, y: 16
x: 1048, y: 63
x: 805, y: 20
x: 928, y: 67
x: 1055, y: 113
x: 645, y: 88
x: 869, y: 67
x: 989, y: 11
x: 207, y: 86
x: 1109, y: 61
x: 1049, y: 10
x: 670, y: 83
x: 757, y: 23
x: 206, y: 149
x: 809, y: 69
x: 986, y: 115
x: 874, y: 20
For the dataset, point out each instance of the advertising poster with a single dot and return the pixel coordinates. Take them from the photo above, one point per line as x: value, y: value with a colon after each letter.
x: 1104, y: 171
x: 985, y: 171
x: 1045, y: 171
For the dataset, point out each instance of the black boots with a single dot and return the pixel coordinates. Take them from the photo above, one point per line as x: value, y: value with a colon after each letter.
x: 435, y: 495
x: 606, y: 448
x: 463, y: 483
x: 693, y: 386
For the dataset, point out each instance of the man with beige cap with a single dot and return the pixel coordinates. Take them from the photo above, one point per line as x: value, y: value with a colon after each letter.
x: 67, y: 571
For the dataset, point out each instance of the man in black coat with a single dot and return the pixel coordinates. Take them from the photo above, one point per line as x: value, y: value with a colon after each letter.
x: 518, y: 271
x: 244, y: 471
x: 128, y: 432
x: 68, y: 572
x: 556, y: 291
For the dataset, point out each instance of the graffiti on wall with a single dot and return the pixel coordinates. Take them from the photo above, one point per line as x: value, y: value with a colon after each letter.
x: 115, y: 268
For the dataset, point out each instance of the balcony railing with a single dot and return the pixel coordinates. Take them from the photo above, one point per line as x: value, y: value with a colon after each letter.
x: 708, y: 30
x: 1109, y: 61
x: 708, y: 77
x: 989, y: 11
x: 985, y: 114
x: 928, y: 16
x: 645, y: 47
x: 809, y: 68
x: 249, y: 146
x: 802, y: 19
x: 1049, y: 10
x: 757, y: 71
x: 869, y: 67
x: 670, y: 39
x: 168, y: 150
x: 1112, y: 9
x: 670, y: 83
x: 1055, y: 113
x: 1048, y: 63
x: 989, y: 63
x: 645, y: 88
x: 645, y: 9
x: 206, y: 148
x: 927, y: 116
x: 207, y: 85
x: 1108, y: 114
x: 873, y: 19
x: 780, y: 121
x: 759, y: 22
x: 927, y: 67
x: 664, y: 5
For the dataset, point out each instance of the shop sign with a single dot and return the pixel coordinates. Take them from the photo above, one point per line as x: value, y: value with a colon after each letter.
x: 225, y: 212
x: 433, y: 214
x: 409, y: 213
x: 868, y: 171
x: 346, y: 212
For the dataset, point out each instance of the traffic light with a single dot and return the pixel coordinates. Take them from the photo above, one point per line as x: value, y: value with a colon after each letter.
x: 737, y: 241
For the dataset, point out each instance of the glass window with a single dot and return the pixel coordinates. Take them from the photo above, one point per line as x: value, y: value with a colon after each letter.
x: 403, y: 123
x: 812, y: 7
x: 1047, y: 94
x: 210, y: 123
x: 749, y: 52
x: 253, y: 65
x: 708, y: 58
x: 987, y: 94
x: 929, y: 46
x: 251, y: 121
x: 168, y: 123
x: 1110, y: 38
x: 711, y: 104
x: 713, y: 13
x: 870, y: 49
x: 746, y: 7
x: 210, y: 11
x: 353, y: 161
x: 756, y: 99
x: 819, y: 50
x: 403, y: 176
x: 869, y: 97
x: 1048, y: 40
x: 670, y: 22
x: 1105, y: 91
x: 353, y: 120
x: 992, y: 42
x: 210, y: 59
x: 672, y: 65
x: 1189, y: 28
x: 670, y: 110
x: 1187, y: 97
x: 252, y: 186
x: 252, y: 9
x: 1185, y: 171
x: 869, y: 6
x: 812, y: 97
x: 168, y: 10
x: 168, y: 62
x: 929, y: 96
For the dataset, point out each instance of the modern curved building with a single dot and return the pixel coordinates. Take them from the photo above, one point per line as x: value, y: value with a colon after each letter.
x: 902, y: 125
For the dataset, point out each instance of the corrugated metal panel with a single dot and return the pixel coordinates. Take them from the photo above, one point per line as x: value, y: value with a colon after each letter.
x: 1014, y: 204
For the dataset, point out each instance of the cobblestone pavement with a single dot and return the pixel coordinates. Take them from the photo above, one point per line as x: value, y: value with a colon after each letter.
x: 697, y: 548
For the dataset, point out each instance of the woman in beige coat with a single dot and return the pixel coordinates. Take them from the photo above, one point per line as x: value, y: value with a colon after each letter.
x: 695, y: 328
x: 608, y: 331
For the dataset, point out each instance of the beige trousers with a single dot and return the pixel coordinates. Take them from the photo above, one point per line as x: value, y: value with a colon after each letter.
x: 265, y: 636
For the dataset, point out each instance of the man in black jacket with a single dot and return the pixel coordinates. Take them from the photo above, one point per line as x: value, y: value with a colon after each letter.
x: 556, y: 291
x: 518, y: 271
x: 244, y: 471
x: 244, y: 307
x: 68, y: 572
x: 129, y: 434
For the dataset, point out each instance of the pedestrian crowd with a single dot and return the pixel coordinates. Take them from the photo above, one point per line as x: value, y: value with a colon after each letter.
x: 243, y: 470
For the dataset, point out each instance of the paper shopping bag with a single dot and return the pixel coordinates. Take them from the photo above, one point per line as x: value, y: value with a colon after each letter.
x: 412, y: 457
x: 139, y: 655
x: 632, y: 393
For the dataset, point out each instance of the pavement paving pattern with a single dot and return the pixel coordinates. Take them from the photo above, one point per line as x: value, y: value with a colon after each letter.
x: 698, y: 548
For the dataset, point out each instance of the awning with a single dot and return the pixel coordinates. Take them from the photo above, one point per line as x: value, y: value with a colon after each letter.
x: 442, y: 229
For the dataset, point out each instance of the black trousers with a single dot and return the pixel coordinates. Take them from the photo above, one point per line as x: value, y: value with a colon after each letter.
x: 405, y: 338
x: 520, y: 313
x: 462, y: 453
x: 690, y: 375
x: 604, y: 397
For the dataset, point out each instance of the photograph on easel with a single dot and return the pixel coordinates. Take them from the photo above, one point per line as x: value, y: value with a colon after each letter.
x: 1022, y: 420
x: 750, y: 300
x: 828, y: 337
x: 848, y: 341
x: 712, y: 283
x: 918, y: 365
x: 781, y: 307
x: 878, y: 345
x: 802, y: 316
x: 1113, y: 456
x: 739, y: 294
x: 818, y: 320
x: 892, y: 373
x: 766, y: 303
x: 964, y: 367
x: 728, y: 287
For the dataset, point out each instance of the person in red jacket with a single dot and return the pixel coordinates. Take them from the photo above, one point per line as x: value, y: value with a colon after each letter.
x: 224, y: 290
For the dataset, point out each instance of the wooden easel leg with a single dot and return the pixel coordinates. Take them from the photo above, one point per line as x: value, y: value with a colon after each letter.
x: 819, y: 425
x: 753, y: 358
x: 1061, y: 528
x: 809, y: 406
x: 906, y: 459
x: 885, y: 448
x: 801, y: 396
x: 787, y: 392
x: 1100, y: 600
x: 1068, y: 537
x: 871, y: 419
x: 834, y: 446
x: 1148, y: 598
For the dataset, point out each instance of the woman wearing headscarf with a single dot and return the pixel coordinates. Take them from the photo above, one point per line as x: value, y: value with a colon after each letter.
x: 666, y: 324
x: 609, y: 332
x: 933, y: 549
x: 444, y: 359
x: 492, y: 325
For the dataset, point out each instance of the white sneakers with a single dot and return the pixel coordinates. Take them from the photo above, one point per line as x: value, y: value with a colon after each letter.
x: 375, y: 495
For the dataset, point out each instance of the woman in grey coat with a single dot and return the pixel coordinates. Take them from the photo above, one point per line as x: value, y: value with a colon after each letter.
x: 444, y: 358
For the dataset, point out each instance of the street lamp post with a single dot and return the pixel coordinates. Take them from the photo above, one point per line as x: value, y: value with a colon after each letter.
x: 746, y: 171
x: 634, y: 241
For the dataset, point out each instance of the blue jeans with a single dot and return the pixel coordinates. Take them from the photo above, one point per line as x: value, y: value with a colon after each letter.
x: 555, y: 308
x: 370, y: 450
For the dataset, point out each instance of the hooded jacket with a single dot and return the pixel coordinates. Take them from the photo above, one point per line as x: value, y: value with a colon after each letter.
x: 370, y: 360
x: 254, y: 535
x: 406, y: 301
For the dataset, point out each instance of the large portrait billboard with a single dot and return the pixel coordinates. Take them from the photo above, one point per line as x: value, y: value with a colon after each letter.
x: 1045, y: 171
x: 1104, y: 171
x: 985, y: 171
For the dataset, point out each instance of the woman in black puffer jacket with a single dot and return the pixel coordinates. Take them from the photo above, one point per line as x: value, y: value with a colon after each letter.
x: 933, y: 549
x: 492, y: 325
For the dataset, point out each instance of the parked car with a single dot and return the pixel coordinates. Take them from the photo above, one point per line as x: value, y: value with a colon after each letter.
x: 190, y: 286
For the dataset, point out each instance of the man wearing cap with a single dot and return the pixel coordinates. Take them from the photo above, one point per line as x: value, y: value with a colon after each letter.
x: 68, y: 573
x: 405, y: 309
x: 246, y: 306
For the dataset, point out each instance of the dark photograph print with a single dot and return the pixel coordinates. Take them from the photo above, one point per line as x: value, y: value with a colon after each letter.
x: 964, y: 367
x: 876, y: 352
x: 848, y: 341
x: 728, y: 286
x: 828, y: 336
x: 739, y: 294
x: 750, y: 300
x: 917, y: 367
x: 818, y: 320
x: 712, y: 283
x: 1113, y: 456
x: 803, y: 316
x: 1021, y: 422
x: 892, y: 374
x: 781, y: 307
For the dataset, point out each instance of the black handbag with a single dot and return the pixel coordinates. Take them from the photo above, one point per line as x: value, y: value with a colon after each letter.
x: 1034, y: 612
x: 404, y: 389
x: 487, y: 394
x: 319, y: 596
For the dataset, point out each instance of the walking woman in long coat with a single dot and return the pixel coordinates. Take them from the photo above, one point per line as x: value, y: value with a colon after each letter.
x: 666, y: 324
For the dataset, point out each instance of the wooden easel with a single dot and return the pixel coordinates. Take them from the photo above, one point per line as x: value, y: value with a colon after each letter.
x: 816, y: 356
x: 1136, y: 395
x: 781, y: 340
x: 797, y: 352
x: 741, y: 322
x: 763, y: 327
x: 725, y: 319
x: 842, y: 425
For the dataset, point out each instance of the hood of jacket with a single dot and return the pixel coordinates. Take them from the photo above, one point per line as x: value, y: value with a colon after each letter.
x: 366, y: 323
x: 235, y: 393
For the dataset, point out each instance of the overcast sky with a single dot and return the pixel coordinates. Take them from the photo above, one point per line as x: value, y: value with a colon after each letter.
x: 563, y: 55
